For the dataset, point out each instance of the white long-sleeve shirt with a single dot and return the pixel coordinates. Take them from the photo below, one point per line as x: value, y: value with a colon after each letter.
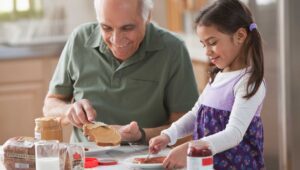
x: 242, y: 113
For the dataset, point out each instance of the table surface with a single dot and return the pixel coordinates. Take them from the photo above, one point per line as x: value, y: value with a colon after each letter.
x: 120, y: 154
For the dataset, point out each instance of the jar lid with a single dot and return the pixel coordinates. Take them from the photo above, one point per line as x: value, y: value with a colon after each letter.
x: 47, y: 121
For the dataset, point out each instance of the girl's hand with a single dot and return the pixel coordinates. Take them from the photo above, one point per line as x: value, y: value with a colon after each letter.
x: 177, y: 157
x: 158, y: 143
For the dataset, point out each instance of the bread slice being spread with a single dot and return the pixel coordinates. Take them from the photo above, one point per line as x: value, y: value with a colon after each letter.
x: 102, y: 134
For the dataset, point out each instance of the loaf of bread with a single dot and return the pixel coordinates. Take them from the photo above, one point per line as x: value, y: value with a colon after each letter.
x: 19, y: 153
x: 102, y: 134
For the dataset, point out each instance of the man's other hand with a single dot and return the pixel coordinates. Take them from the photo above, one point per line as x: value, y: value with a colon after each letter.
x: 129, y: 132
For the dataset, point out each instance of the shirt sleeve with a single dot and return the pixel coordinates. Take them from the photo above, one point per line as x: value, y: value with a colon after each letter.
x: 242, y: 113
x: 181, y: 89
x: 183, y: 126
x: 61, y: 82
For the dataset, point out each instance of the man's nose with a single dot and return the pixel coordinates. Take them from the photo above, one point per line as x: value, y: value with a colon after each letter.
x: 116, y: 37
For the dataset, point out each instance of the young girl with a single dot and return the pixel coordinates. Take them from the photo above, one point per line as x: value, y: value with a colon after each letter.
x: 226, y: 117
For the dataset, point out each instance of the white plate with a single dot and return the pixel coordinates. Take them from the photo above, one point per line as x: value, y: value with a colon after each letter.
x: 129, y: 162
x: 93, y: 148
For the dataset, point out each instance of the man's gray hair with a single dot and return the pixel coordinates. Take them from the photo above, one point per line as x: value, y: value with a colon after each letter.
x: 145, y: 5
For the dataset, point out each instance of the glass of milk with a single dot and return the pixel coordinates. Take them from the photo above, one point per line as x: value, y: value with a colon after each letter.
x: 47, y: 155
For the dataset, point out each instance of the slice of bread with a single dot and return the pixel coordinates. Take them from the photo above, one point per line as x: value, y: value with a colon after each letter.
x: 102, y: 134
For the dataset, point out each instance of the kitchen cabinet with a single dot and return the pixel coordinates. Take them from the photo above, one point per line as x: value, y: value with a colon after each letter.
x: 201, y: 73
x: 176, y: 10
x: 174, y: 15
x: 23, y: 86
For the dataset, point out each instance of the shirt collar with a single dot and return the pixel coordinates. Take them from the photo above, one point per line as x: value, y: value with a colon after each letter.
x: 153, y: 40
x: 94, y: 39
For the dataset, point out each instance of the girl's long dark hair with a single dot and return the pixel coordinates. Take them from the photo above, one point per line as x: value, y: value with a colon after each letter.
x: 228, y: 16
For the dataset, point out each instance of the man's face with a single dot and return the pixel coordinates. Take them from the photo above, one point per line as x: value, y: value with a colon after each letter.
x: 122, y: 26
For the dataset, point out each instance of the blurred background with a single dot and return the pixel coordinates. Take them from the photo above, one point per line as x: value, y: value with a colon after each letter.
x: 33, y: 33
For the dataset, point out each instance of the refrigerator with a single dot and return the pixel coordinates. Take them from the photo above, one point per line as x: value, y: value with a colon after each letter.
x: 279, y: 23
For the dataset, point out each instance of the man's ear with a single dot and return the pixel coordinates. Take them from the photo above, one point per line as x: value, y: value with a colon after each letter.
x: 240, y: 36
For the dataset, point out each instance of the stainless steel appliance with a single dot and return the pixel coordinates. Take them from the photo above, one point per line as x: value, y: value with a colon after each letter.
x: 279, y: 23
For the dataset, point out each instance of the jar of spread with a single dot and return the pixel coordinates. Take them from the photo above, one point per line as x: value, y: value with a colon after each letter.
x: 199, y: 157
x: 48, y: 128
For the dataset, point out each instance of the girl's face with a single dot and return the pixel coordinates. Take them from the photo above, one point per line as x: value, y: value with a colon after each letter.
x: 222, y: 49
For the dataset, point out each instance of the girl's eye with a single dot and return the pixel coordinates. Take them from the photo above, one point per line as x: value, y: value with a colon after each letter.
x: 213, y: 43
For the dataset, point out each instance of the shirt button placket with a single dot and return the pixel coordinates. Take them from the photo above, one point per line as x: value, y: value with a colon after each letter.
x: 116, y: 79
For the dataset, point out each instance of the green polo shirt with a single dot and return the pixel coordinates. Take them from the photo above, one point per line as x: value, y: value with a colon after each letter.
x: 156, y: 81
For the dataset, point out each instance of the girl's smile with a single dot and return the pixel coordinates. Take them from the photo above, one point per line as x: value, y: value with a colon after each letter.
x: 214, y: 59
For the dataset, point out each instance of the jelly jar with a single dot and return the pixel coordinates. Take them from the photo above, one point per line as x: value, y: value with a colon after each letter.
x: 199, y: 157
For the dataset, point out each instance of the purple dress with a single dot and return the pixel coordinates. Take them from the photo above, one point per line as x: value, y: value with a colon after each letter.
x: 213, y: 116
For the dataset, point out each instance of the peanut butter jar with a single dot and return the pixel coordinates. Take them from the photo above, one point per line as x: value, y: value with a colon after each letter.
x: 48, y: 128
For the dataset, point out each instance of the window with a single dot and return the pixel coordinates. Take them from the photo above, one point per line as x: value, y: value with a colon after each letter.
x: 17, y: 9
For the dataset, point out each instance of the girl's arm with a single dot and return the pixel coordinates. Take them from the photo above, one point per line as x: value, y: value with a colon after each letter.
x: 242, y: 113
x: 183, y: 126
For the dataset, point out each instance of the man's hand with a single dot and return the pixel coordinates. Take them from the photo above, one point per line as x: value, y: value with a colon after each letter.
x: 129, y: 132
x: 77, y: 113
x: 81, y: 112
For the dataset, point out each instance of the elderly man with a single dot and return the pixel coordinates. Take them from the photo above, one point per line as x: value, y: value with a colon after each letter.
x: 123, y: 71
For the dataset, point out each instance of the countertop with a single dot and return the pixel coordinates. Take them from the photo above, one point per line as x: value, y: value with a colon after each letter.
x: 14, y: 52
x: 36, y: 47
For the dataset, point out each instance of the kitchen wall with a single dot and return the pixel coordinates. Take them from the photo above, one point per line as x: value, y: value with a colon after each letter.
x: 59, y: 19
x: 78, y: 12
